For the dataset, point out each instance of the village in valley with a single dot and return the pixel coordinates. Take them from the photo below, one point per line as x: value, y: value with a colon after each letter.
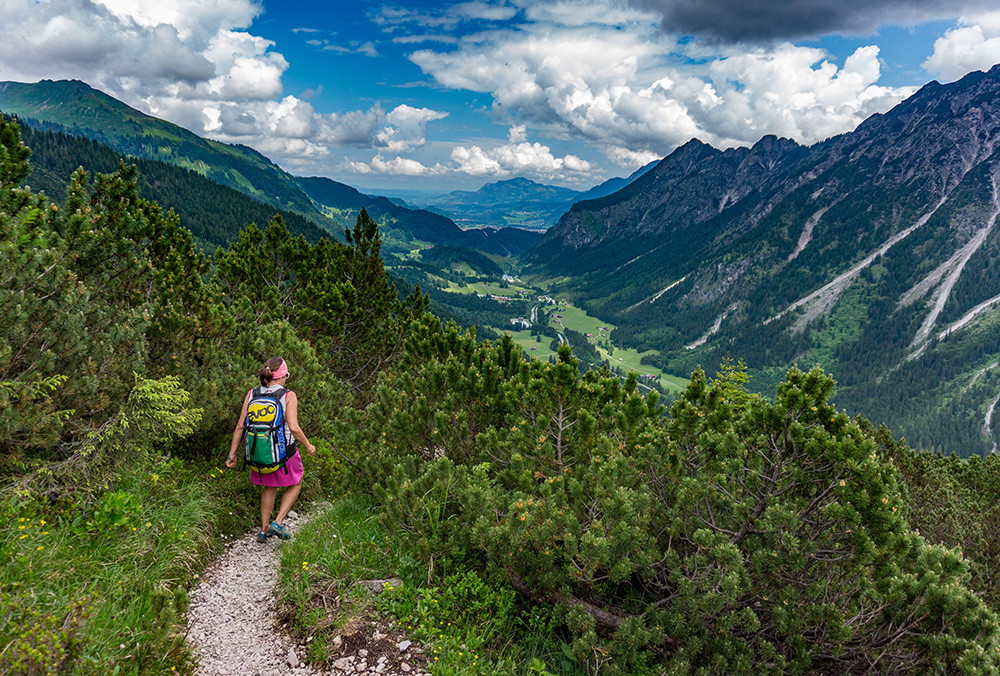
x: 549, y: 322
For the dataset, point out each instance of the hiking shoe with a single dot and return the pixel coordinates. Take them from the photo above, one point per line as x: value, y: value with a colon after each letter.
x: 261, y: 536
x: 279, y: 530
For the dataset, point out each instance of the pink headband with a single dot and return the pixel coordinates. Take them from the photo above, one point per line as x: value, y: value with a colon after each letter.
x: 281, y: 372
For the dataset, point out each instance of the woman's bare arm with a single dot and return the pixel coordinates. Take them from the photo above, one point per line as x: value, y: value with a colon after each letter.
x: 238, y: 433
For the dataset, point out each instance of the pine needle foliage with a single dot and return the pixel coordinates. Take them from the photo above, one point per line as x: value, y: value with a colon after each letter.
x: 734, y: 535
x: 154, y: 415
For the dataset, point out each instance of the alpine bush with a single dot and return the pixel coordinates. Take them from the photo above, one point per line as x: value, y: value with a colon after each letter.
x: 734, y: 535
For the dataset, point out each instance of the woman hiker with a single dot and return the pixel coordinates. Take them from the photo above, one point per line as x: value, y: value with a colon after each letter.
x: 272, y: 379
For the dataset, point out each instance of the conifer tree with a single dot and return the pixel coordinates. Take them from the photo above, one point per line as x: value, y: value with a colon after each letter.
x: 339, y: 295
x: 30, y: 273
x: 74, y: 280
x: 106, y: 233
x: 188, y: 318
x: 374, y: 320
x: 258, y: 273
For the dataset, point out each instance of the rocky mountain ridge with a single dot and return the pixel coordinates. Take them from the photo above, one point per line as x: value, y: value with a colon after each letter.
x: 874, y: 253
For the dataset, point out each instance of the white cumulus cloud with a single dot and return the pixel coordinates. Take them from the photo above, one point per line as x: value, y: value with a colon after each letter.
x: 406, y: 128
x: 518, y: 157
x: 475, y: 162
x: 973, y: 45
x: 400, y: 166
x: 198, y: 64
x: 477, y: 9
x: 292, y: 118
x: 625, y: 157
x: 633, y: 92
x: 794, y: 92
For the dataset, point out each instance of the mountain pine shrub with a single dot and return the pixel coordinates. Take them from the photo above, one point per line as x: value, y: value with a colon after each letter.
x: 734, y: 536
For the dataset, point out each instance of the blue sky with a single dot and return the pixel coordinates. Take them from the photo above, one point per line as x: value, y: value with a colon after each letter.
x: 438, y: 95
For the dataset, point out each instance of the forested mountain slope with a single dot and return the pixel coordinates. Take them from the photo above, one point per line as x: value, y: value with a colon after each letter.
x: 77, y: 109
x: 613, y: 185
x: 402, y: 223
x: 873, y: 253
x: 212, y: 212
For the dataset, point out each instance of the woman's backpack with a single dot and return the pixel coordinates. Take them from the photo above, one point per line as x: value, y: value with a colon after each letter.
x: 265, y: 447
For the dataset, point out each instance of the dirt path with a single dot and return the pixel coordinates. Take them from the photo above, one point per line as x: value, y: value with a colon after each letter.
x: 233, y: 630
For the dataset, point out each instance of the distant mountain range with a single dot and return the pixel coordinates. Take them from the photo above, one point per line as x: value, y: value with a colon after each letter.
x: 511, y: 191
x: 518, y: 202
x: 75, y: 108
x: 875, y: 253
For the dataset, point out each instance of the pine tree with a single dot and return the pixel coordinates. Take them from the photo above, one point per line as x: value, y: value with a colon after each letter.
x: 188, y: 318
x: 75, y: 311
x: 339, y: 295
x: 76, y: 280
x: 374, y: 319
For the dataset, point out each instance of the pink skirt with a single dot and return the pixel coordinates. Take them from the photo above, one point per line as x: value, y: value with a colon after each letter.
x: 280, y: 478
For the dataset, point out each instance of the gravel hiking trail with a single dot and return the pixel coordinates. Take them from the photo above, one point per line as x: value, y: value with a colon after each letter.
x: 233, y: 627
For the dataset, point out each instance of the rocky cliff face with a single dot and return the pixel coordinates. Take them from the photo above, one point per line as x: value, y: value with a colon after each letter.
x: 865, y: 251
x: 693, y: 185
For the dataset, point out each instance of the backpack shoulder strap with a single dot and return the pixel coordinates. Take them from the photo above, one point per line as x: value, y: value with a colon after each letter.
x: 278, y: 394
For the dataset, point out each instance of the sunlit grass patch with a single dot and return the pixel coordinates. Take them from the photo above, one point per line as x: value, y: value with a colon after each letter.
x: 102, y: 588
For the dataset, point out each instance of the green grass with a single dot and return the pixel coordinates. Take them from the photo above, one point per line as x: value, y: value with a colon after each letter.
x: 631, y: 360
x: 576, y: 319
x: 102, y: 588
x: 492, y: 289
x: 346, y: 543
x: 532, y: 348
x: 336, y: 548
x: 467, y: 624
x: 241, y: 180
x: 842, y: 325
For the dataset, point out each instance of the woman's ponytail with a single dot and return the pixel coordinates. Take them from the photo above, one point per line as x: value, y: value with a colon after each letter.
x: 266, y: 374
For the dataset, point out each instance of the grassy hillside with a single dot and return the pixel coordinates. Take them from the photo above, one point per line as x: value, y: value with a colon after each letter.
x: 78, y: 109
